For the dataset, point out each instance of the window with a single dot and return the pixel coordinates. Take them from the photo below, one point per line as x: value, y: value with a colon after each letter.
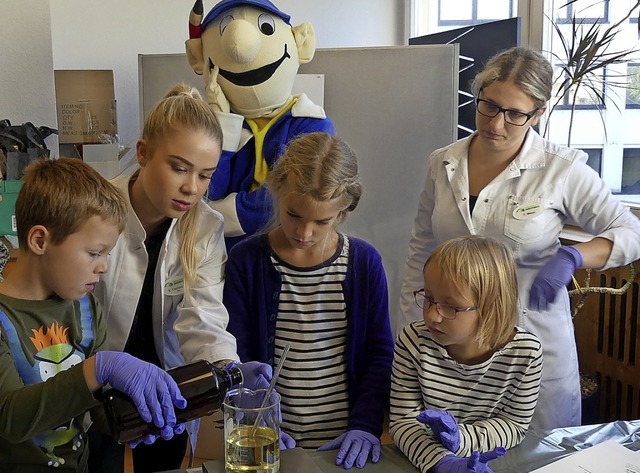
x: 605, y: 123
x: 606, y: 119
x: 634, y: 18
x: 633, y: 86
x: 595, y: 159
x: 591, y: 97
x: 593, y: 11
x: 631, y: 171
x: 472, y: 12
x: 434, y: 16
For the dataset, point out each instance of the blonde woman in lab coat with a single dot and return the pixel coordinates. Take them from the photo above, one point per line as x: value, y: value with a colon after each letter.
x: 162, y: 295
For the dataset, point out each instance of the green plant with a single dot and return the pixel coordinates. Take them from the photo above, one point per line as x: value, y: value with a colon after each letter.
x: 586, y: 53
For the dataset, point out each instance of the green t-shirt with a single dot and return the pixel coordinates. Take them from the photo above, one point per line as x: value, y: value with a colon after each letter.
x: 42, y: 412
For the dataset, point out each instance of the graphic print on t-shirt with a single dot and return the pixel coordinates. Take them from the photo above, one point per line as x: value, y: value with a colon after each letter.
x: 55, y: 354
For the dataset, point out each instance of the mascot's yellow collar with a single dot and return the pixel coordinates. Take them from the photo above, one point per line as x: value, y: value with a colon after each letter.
x: 260, y: 127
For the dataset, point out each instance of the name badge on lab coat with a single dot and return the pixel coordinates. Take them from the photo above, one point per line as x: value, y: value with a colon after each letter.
x: 174, y: 287
x: 528, y: 211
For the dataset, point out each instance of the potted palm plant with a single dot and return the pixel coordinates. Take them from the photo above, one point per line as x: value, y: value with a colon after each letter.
x: 587, y: 50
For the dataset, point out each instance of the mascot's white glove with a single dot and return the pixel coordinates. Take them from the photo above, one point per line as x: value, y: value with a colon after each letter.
x: 215, y: 96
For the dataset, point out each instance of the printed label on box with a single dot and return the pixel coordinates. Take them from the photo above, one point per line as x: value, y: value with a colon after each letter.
x: 86, y: 106
x: 86, y: 121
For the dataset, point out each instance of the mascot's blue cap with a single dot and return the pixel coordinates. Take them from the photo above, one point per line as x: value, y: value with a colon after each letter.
x: 225, y: 5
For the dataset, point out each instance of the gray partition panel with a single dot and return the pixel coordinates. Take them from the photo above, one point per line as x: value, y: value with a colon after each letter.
x: 393, y: 105
x: 157, y: 73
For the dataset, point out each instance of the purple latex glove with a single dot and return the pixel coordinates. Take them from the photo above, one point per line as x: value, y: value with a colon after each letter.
x: 255, y: 375
x: 355, y: 447
x: 166, y: 433
x: 151, y: 389
x: 553, y: 276
x: 486, y: 457
x: 444, y: 428
x: 286, y: 441
x: 249, y: 400
x: 476, y: 463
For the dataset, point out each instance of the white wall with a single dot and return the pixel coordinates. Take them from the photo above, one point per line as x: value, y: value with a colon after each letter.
x: 98, y: 34
x: 26, y: 66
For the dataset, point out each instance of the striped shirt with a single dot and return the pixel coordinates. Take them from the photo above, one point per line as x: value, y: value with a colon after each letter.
x: 312, y: 318
x: 493, y: 401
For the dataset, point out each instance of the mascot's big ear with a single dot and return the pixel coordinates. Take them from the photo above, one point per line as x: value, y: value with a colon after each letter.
x: 195, y: 54
x: 305, y: 39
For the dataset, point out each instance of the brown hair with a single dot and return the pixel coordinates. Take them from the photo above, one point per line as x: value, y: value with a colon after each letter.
x: 320, y: 166
x: 526, y: 68
x: 62, y: 194
x: 487, y: 268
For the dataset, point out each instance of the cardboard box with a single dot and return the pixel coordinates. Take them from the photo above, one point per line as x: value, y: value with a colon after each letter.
x: 86, y: 105
x: 103, y: 158
x: 8, y: 194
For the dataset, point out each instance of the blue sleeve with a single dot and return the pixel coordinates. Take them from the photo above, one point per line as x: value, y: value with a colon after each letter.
x: 247, y: 284
x: 375, y: 357
x: 235, y: 299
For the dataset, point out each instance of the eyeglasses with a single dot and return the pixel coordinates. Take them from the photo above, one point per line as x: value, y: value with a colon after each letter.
x: 513, y: 117
x: 445, y: 310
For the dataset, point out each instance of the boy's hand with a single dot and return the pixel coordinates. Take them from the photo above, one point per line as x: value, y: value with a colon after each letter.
x: 166, y: 433
x: 151, y: 389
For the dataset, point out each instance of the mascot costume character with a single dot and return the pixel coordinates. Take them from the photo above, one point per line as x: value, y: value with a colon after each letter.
x: 249, y: 55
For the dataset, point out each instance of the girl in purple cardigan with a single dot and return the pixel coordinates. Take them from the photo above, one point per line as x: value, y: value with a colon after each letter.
x: 306, y: 285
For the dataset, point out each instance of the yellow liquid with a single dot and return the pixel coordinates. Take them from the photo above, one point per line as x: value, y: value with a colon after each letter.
x: 250, y: 449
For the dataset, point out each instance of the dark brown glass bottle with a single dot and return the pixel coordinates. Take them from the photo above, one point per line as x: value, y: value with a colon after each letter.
x: 202, y: 384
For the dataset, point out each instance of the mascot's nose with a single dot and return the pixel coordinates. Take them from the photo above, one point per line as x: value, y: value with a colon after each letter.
x: 241, y: 41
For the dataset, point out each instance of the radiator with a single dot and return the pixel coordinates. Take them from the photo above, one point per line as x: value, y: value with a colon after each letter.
x: 607, y: 338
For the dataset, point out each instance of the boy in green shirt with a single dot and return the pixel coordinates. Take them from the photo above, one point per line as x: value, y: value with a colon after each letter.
x: 51, y: 327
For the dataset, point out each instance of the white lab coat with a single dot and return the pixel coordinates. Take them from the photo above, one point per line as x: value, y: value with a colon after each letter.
x: 566, y: 189
x: 184, y: 331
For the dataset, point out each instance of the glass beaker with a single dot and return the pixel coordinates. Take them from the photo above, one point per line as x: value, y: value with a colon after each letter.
x: 251, y: 432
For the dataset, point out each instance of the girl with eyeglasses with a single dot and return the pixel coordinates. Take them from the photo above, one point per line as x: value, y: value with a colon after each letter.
x: 508, y: 182
x: 465, y: 378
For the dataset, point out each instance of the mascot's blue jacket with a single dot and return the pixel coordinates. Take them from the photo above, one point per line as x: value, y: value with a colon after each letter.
x: 235, y: 171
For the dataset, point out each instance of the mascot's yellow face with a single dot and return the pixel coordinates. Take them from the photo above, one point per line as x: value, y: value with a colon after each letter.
x: 257, y: 56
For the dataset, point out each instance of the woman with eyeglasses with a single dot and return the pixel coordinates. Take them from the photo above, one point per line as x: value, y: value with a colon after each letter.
x: 508, y: 182
x: 464, y: 371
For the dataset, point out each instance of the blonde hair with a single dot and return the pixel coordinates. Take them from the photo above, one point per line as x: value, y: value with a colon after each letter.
x: 487, y: 268
x: 526, y: 68
x: 183, y: 107
x: 62, y: 194
x: 320, y: 166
